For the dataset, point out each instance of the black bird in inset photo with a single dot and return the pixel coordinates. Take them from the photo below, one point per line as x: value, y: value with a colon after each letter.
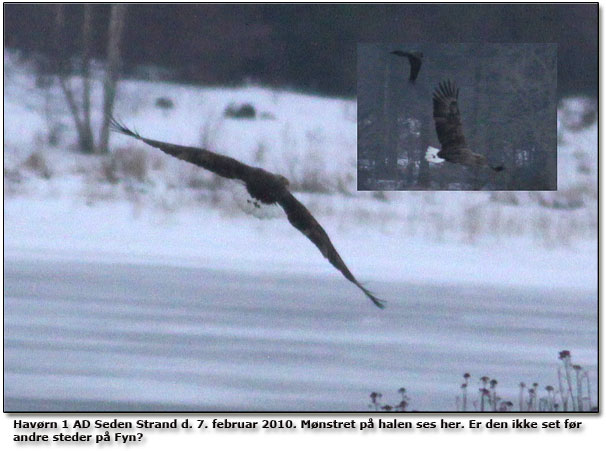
x: 415, y: 60
x: 265, y: 188
x: 449, y: 129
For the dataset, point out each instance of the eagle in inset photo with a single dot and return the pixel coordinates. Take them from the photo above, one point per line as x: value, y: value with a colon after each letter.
x: 415, y: 59
x: 265, y: 188
x: 449, y: 128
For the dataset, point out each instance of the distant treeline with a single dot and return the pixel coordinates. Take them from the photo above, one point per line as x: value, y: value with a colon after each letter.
x: 310, y: 47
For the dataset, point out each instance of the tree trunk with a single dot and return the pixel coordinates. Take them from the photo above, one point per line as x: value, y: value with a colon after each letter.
x: 63, y: 69
x: 87, y: 28
x: 116, y: 27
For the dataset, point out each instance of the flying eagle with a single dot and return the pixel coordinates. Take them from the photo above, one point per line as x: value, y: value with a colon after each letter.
x: 415, y: 59
x: 449, y: 128
x: 265, y: 188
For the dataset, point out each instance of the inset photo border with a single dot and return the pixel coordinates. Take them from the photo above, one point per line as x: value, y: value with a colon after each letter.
x: 461, y: 117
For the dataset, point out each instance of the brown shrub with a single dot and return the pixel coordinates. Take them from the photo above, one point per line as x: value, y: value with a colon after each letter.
x: 125, y: 163
x: 37, y: 164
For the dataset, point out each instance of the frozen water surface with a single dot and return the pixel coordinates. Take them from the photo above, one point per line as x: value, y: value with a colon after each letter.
x: 95, y: 336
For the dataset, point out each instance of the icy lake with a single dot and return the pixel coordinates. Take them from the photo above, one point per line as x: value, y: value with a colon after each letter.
x: 125, y: 337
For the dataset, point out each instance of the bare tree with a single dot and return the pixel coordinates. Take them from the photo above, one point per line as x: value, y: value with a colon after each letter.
x: 116, y: 28
x: 87, y: 32
x: 80, y: 106
x: 63, y: 69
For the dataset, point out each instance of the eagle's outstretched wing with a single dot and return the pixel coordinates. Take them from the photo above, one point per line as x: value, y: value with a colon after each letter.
x: 302, y: 220
x: 447, y: 117
x: 228, y: 167
x: 219, y: 164
x: 415, y: 60
x: 449, y: 129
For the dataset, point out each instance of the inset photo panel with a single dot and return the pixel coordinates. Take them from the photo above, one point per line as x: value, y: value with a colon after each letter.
x: 463, y: 117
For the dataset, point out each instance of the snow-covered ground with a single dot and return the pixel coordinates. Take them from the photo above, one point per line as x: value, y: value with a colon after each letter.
x: 158, y: 207
x: 140, y: 206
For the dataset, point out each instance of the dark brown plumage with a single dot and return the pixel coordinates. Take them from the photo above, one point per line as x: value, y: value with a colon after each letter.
x: 415, y: 59
x: 449, y: 128
x: 263, y: 186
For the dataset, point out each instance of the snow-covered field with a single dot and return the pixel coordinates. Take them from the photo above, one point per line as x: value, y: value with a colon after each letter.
x: 138, y: 206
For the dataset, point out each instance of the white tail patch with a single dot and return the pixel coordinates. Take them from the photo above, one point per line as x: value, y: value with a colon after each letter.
x: 252, y: 206
x: 432, y: 155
